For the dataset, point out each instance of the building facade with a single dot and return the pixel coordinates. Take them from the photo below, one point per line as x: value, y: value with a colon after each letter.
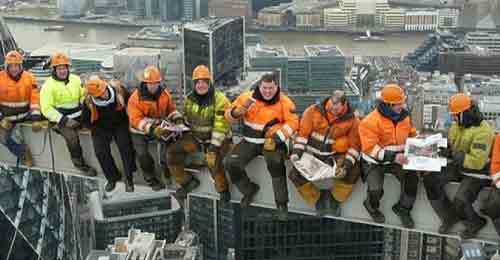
x: 421, y: 20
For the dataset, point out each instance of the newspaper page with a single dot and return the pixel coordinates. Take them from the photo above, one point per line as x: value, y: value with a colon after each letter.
x: 423, y: 154
x: 313, y: 169
x: 175, y: 130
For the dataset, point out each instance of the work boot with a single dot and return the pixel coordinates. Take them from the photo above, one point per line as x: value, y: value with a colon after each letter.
x: 248, y: 197
x: 87, y: 170
x: 110, y: 186
x: 321, y: 205
x: 157, y: 185
x: 225, y: 196
x: 27, y: 158
x: 168, y: 177
x: 183, y: 191
x: 376, y: 215
x: 327, y: 205
x: 404, y: 216
x: 282, y: 212
x: 471, y: 228
x: 446, y: 226
x: 446, y: 212
x: 129, y: 185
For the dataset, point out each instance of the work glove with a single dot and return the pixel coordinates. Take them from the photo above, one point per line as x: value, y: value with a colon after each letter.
x: 295, y: 157
x: 242, y: 109
x: 6, y: 124
x: 211, y: 158
x: 270, y: 145
x: 38, y: 125
x: 158, y: 132
x: 458, y: 159
x: 348, y: 166
x: 445, y: 152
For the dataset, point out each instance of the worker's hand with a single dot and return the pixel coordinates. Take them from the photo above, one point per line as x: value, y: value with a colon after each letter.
x: 38, y: 125
x: 159, y: 132
x: 72, y: 123
x: 270, y: 145
x: 401, y: 159
x: 340, y: 172
x: 211, y: 158
x: 6, y: 124
x: 248, y: 103
x: 294, y: 157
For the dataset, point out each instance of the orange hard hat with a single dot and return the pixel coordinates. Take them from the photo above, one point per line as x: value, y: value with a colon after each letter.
x: 342, y: 145
x: 393, y: 94
x: 458, y: 103
x: 13, y: 57
x: 201, y: 72
x: 96, y: 87
x: 151, y: 74
x: 59, y: 59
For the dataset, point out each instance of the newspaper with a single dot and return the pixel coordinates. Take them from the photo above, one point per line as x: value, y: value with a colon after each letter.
x: 175, y: 130
x: 313, y: 169
x: 423, y: 154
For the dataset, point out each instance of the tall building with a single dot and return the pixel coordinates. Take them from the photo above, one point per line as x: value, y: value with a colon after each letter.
x: 421, y: 20
x: 490, y: 41
x: 337, y: 17
x: 194, y: 9
x: 71, y: 8
x: 255, y: 233
x: 37, y: 216
x: 223, y: 8
x: 218, y: 43
x: 156, y: 213
x: 448, y: 18
x: 393, y: 19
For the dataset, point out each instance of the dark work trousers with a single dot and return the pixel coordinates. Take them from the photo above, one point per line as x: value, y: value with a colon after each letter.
x: 434, y: 183
x: 243, y: 153
x: 492, y: 207
x: 467, y: 193
x: 14, y: 141
x: 102, y: 139
x: 146, y: 161
x: 375, y: 174
x: 72, y: 139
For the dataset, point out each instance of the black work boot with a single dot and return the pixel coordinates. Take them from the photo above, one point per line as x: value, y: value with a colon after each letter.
x: 129, y: 185
x: 183, y: 191
x: 404, y: 216
x: 282, y: 211
x: 375, y: 213
x: 472, y: 228
x: 156, y: 185
x: 83, y: 167
x: 321, y: 205
x: 247, y: 199
x: 110, y: 186
x: 446, y: 212
x: 225, y: 196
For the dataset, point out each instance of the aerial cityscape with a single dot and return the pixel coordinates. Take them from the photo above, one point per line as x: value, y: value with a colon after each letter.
x: 249, y: 129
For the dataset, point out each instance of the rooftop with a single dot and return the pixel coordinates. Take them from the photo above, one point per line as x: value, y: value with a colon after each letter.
x: 80, y: 51
x: 267, y: 51
x: 209, y: 24
x: 322, y: 50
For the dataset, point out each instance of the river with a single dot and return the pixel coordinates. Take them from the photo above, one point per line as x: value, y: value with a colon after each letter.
x: 30, y: 36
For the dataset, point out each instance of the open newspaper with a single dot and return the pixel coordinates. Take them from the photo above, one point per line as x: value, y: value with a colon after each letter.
x: 313, y: 169
x: 176, y: 131
x: 423, y: 153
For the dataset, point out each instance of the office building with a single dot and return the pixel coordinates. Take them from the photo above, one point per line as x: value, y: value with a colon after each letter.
x: 489, y: 41
x: 255, y: 233
x: 155, y: 213
x: 223, y: 8
x: 219, y: 44
x: 421, y: 20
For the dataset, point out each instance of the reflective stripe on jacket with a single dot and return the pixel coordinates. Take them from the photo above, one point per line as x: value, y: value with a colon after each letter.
x: 208, y: 122
x: 19, y: 99
x: 58, y: 99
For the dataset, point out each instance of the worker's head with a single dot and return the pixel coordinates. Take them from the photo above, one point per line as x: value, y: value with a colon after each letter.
x: 464, y: 111
x: 268, y: 86
x: 394, y: 96
x: 201, y: 79
x: 152, y: 77
x: 14, y: 63
x: 97, y: 88
x: 60, y: 64
x: 339, y: 104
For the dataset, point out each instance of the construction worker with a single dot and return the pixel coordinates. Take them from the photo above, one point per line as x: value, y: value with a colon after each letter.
x: 61, y: 100
x: 19, y: 101
x: 469, y: 141
x: 329, y: 131
x: 106, y: 113
x: 383, y: 135
x: 147, y: 107
x: 269, y: 120
x: 492, y: 208
x: 210, y: 132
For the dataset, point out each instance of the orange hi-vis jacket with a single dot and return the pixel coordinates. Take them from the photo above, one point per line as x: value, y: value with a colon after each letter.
x: 379, y: 134
x: 19, y: 99
x: 322, y: 134
x: 145, y: 111
x: 260, y: 116
x: 495, y: 162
